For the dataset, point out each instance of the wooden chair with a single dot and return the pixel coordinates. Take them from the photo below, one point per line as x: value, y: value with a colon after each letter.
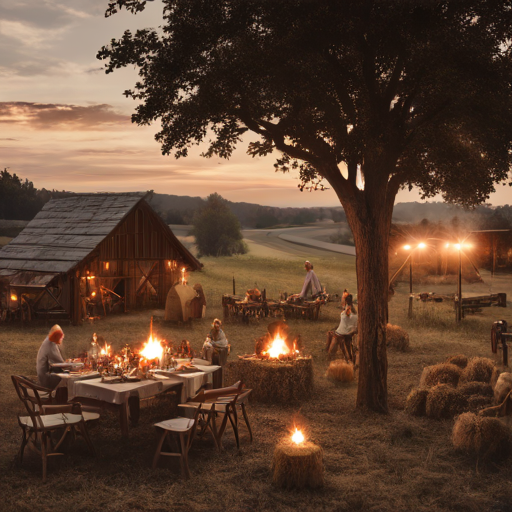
x: 184, y: 430
x: 222, y: 402
x: 44, y: 419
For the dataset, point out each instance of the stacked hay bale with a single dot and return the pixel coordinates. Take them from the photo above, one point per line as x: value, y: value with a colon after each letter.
x: 450, y: 388
x: 340, y: 371
x: 273, y: 381
x: 487, y: 438
x: 397, y: 338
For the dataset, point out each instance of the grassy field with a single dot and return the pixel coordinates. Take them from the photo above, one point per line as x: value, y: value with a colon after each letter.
x: 373, y: 462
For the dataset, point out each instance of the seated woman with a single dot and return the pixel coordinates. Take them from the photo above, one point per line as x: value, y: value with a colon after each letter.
x: 215, y: 343
x: 49, y: 353
x: 343, y: 334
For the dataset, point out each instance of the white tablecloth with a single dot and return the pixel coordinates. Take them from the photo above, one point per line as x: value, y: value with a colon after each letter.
x: 70, y: 379
x: 119, y: 393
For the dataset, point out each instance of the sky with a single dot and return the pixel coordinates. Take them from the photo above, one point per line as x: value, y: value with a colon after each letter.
x: 65, y: 124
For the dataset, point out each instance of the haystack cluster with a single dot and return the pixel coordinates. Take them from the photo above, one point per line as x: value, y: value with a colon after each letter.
x: 461, y: 387
x: 452, y: 387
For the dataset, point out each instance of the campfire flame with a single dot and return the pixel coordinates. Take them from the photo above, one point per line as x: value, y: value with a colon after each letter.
x: 277, y: 347
x: 298, y: 436
x: 105, y: 351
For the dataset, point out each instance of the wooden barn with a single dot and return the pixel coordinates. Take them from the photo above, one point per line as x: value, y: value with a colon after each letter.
x: 89, y: 255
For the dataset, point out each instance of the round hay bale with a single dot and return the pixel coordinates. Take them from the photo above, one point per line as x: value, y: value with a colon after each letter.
x: 478, y: 369
x: 459, y: 360
x: 475, y: 388
x: 340, y: 371
x: 443, y: 401
x: 298, y: 466
x: 425, y: 375
x: 443, y: 373
x: 481, y: 436
x: 416, y: 402
x: 273, y: 381
x: 495, y: 376
x: 478, y: 402
x: 397, y: 338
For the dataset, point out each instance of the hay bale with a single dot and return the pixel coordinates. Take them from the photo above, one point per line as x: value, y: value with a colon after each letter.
x: 273, y: 381
x: 478, y: 402
x: 443, y: 373
x: 416, y: 402
x: 495, y: 376
x: 397, y: 338
x: 443, y: 401
x: 425, y: 375
x: 478, y: 369
x: 481, y: 436
x: 459, y: 360
x: 475, y: 388
x: 340, y: 371
x: 298, y: 466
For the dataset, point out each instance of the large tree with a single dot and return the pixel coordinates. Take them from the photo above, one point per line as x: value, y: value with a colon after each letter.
x: 367, y: 95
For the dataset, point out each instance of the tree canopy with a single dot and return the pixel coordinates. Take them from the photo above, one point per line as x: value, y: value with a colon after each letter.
x: 217, y: 230
x: 19, y: 200
x: 366, y: 95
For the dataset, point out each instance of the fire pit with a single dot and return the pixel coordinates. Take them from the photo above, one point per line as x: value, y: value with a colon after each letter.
x: 278, y: 371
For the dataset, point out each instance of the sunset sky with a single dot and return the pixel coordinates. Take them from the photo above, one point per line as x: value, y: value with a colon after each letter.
x: 66, y: 125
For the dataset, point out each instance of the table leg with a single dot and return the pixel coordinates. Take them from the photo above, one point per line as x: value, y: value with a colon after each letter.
x: 123, y: 418
x: 134, y: 409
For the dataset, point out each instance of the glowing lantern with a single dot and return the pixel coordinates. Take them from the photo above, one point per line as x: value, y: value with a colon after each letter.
x: 183, y: 281
x: 14, y: 297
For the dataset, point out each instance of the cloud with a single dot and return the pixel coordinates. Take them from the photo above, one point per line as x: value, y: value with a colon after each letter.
x: 42, y: 116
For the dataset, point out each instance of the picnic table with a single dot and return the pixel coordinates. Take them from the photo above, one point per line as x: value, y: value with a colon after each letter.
x: 124, y: 397
x: 237, y: 307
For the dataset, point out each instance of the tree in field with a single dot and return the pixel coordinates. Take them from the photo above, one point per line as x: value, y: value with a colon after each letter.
x: 368, y: 95
x: 19, y: 200
x: 217, y: 229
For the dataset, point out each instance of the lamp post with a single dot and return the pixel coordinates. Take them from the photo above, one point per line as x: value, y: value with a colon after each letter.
x: 407, y: 247
x: 458, y: 308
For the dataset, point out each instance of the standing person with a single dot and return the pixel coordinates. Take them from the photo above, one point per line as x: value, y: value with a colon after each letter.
x: 49, y: 353
x: 312, y: 284
x: 215, y: 341
x: 343, y: 334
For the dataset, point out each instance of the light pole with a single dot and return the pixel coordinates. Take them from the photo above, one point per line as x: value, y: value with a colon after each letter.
x: 407, y: 247
x: 458, y: 306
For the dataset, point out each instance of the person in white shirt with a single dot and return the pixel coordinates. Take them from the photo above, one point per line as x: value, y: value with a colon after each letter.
x: 343, y: 334
x: 312, y: 284
x: 49, y: 353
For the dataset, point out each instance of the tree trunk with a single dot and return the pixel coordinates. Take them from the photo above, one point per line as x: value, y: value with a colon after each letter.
x: 370, y: 222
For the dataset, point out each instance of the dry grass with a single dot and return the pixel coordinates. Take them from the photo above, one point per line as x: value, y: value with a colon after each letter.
x: 393, y: 462
x: 340, y: 371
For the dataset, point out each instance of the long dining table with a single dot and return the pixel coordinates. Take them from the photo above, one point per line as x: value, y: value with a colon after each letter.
x: 124, y: 397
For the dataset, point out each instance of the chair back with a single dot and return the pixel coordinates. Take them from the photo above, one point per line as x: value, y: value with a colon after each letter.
x: 210, y: 395
x: 28, y: 393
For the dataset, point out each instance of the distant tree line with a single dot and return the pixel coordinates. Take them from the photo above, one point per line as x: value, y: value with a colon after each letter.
x: 20, y: 200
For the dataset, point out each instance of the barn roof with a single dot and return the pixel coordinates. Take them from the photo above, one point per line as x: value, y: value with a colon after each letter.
x: 67, y: 230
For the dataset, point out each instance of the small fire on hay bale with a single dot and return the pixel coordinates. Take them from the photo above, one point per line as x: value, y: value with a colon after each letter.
x: 278, y: 371
x: 298, y: 463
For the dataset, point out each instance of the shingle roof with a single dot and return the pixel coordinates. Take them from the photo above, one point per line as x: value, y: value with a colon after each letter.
x: 65, y: 231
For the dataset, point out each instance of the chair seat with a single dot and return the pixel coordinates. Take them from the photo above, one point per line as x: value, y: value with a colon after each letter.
x: 176, y: 424
x: 205, y: 406
x: 53, y: 420
x: 90, y: 416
